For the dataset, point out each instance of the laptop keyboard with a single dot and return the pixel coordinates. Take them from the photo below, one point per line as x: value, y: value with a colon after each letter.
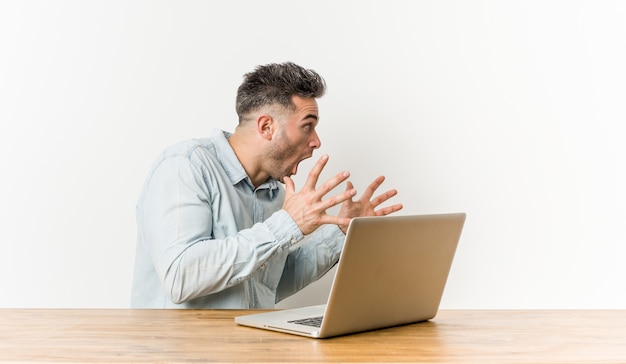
x: 309, y: 321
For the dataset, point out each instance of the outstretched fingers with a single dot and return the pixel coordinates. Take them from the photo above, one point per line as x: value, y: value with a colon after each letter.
x: 384, y: 197
x: 314, y: 173
x: 340, y: 198
x: 330, y: 185
x: 389, y: 210
x: 369, y: 191
x: 380, y: 199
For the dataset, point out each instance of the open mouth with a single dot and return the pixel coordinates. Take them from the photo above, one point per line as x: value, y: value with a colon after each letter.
x: 294, y: 170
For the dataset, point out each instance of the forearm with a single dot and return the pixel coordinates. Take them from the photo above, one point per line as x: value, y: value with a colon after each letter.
x: 196, y: 237
x: 309, y: 261
x: 190, y: 269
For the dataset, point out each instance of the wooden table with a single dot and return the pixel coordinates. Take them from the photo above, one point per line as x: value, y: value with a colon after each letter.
x: 121, y: 335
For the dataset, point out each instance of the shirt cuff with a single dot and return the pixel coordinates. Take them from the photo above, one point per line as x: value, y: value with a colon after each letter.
x: 284, y: 228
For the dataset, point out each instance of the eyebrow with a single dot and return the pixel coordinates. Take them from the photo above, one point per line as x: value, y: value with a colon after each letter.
x: 311, y: 116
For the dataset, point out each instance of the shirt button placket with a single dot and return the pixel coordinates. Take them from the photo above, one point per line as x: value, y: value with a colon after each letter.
x: 257, y: 209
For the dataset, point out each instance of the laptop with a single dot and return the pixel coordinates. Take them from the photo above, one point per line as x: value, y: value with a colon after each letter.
x: 392, y: 271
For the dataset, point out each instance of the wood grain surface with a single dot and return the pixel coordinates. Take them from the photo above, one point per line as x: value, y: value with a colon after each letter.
x: 191, y: 336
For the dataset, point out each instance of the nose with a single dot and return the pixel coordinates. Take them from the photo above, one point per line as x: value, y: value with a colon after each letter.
x: 315, y: 141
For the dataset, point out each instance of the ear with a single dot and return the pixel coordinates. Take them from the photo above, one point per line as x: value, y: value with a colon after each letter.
x: 265, y: 126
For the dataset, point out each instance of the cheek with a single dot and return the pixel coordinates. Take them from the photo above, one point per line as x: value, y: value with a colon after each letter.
x: 298, y: 142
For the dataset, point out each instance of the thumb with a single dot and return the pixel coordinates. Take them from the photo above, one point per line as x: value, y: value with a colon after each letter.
x: 290, y: 187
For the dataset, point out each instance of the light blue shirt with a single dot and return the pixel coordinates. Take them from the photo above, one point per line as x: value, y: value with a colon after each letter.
x: 206, y: 238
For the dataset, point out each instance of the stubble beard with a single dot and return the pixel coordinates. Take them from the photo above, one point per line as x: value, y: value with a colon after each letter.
x: 277, y: 158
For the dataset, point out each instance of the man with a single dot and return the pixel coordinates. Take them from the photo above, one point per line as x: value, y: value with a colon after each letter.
x: 216, y: 227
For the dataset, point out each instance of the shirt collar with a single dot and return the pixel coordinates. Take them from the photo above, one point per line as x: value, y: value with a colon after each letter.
x: 235, y: 171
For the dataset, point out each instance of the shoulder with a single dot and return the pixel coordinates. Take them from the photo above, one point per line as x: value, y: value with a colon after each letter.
x: 202, y: 157
x: 187, y: 148
x: 203, y: 148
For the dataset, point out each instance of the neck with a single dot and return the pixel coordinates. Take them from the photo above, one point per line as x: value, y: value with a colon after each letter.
x: 248, y: 152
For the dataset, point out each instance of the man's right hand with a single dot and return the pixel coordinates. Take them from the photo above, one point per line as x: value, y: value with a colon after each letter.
x: 307, y: 207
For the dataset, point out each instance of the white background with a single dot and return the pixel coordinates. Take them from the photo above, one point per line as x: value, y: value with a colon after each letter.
x: 511, y: 111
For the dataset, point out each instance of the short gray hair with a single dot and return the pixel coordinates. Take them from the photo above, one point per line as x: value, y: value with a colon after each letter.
x: 275, y: 84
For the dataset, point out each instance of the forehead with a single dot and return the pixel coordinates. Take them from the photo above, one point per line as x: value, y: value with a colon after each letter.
x: 307, y: 107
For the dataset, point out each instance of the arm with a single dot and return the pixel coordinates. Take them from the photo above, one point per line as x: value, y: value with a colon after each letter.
x: 310, y: 260
x: 191, y: 256
x: 320, y: 252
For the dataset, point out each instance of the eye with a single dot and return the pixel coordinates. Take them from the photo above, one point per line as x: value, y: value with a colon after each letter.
x: 307, y: 127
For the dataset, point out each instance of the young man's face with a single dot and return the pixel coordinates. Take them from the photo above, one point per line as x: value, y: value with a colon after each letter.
x: 296, y: 138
